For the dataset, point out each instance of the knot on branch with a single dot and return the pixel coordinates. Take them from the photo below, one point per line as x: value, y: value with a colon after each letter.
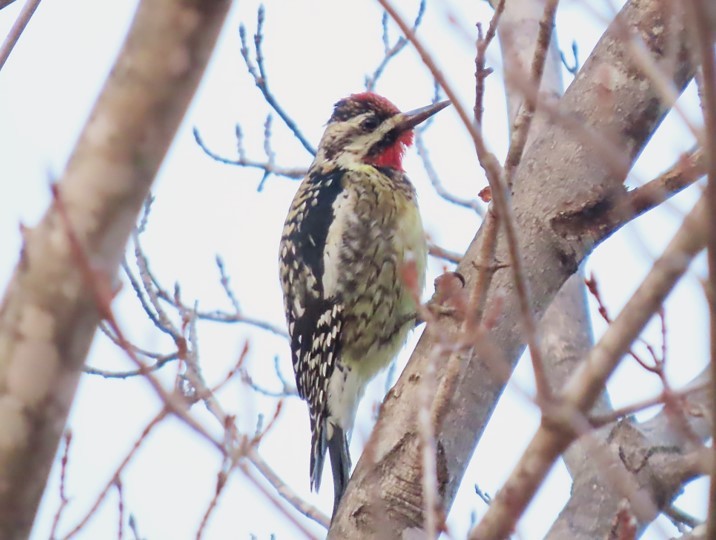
x: 581, y: 225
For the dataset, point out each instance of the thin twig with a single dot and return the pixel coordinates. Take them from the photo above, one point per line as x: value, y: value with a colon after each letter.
x: 64, y: 500
x: 286, y: 492
x: 680, y: 518
x: 484, y: 497
x: 390, y: 52
x: 481, y: 72
x: 470, y: 204
x: 222, y: 479
x: 276, y: 501
x: 155, y: 292
x: 633, y: 408
x: 574, y: 66
x: 134, y: 527
x: 234, y: 370
x: 294, y: 173
x: 442, y: 253
x: 128, y: 374
x: 120, y: 507
x: 135, y: 447
x: 261, y: 79
x: 16, y: 31
x: 487, y: 159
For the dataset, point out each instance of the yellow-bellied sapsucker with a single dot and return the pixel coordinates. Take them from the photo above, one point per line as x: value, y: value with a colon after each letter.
x: 351, y: 229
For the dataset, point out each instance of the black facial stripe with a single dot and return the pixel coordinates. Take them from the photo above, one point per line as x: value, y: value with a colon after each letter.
x: 386, y: 141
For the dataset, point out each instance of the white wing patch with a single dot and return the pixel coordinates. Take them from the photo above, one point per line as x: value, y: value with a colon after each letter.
x: 334, y: 241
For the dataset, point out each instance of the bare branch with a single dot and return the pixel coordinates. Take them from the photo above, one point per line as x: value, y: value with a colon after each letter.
x: 16, y: 31
x: 481, y: 72
x: 261, y: 79
x: 242, y: 161
x: 117, y: 473
x: 442, y: 253
x: 389, y: 51
x: 434, y: 178
x: 64, y: 500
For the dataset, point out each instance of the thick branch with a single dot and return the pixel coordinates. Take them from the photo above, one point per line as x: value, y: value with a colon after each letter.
x: 48, y: 316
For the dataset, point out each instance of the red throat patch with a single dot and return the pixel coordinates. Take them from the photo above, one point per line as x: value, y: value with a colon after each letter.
x: 393, y: 155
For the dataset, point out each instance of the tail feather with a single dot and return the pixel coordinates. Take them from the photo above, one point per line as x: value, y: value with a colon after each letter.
x: 337, y: 447
x: 318, y: 453
x: 340, y: 464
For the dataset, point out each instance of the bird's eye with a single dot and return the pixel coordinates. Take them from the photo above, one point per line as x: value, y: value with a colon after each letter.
x: 370, y: 123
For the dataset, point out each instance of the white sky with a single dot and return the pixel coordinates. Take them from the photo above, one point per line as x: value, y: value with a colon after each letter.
x: 316, y: 52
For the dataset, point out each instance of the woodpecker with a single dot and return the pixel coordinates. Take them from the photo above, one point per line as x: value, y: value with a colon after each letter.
x: 352, y: 228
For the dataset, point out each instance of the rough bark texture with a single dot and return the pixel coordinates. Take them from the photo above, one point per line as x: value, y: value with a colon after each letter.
x: 49, y: 313
x: 558, y: 174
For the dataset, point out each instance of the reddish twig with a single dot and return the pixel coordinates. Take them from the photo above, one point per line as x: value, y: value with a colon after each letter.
x: 658, y: 366
x: 64, y: 500
x: 120, y: 506
x: 222, y: 479
x: 103, y: 293
x: 234, y: 370
x: 117, y: 473
x: 481, y: 73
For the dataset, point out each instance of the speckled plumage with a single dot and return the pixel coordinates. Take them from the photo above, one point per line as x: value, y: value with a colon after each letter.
x: 351, y: 229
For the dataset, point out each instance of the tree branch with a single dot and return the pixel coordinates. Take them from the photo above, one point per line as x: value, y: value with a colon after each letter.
x: 16, y: 31
x: 49, y: 315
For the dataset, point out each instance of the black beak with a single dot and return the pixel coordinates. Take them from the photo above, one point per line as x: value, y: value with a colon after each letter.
x: 408, y: 120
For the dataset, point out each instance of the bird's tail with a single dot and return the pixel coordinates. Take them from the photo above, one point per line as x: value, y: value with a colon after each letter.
x: 337, y: 447
x: 340, y: 464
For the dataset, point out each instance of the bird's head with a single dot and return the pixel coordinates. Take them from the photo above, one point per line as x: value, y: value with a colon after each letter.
x: 367, y: 128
